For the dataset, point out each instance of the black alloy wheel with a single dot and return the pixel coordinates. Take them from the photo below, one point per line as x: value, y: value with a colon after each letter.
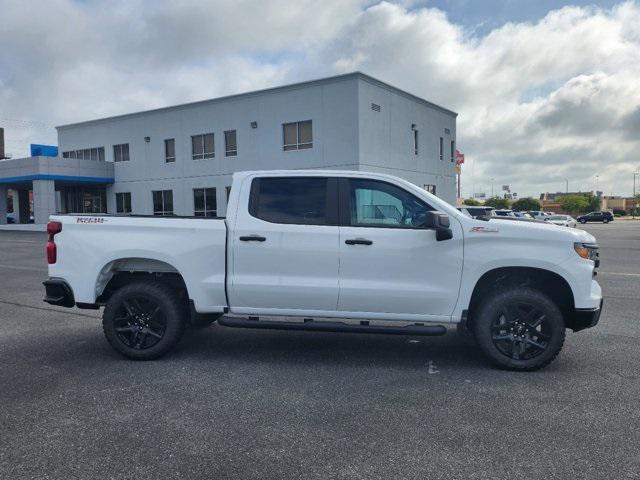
x: 139, y: 322
x: 144, y: 319
x: 521, y: 331
x: 519, y: 328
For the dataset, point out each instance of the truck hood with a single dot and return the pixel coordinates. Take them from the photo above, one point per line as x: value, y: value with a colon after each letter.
x: 534, y: 231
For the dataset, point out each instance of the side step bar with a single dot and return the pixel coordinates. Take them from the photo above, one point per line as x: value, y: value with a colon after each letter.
x: 314, y: 326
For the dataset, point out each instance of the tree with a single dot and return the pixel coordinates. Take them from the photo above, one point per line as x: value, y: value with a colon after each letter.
x: 594, y: 203
x: 575, y: 203
x: 471, y: 202
x: 525, y: 204
x: 497, y: 202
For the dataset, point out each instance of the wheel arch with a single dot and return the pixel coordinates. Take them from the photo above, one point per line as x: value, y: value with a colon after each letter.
x: 119, y: 272
x: 546, y: 281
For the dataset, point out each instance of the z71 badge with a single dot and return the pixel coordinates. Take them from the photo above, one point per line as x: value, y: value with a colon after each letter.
x: 484, y: 229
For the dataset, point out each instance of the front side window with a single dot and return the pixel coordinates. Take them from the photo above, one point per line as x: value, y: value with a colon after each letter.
x: 297, y: 200
x: 123, y: 202
x: 297, y: 135
x: 202, y: 146
x: 170, y: 150
x: 120, y: 153
x: 204, y: 202
x: 230, y: 143
x: 162, y: 202
x: 380, y: 204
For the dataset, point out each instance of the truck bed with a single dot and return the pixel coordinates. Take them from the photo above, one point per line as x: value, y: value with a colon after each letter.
x: 194, y: 247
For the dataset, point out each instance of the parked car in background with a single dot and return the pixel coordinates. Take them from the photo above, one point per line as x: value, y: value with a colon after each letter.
x: 476, y: 211
x: 564, y: 220
x: 11, y: 218
x: 604, y: 217
x: 503, y: 213
x: 522, y: 215
x: 538, y: 214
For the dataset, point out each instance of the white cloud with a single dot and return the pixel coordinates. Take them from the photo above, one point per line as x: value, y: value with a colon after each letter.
x: 538, y: 102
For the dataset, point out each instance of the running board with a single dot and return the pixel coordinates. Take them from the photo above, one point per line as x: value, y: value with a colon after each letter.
x: 315, y: 326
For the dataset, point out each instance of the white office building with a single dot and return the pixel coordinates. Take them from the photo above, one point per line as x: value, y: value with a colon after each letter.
x: 179, y: 160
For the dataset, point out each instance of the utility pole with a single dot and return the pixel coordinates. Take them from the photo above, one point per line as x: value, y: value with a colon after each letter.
x: 492, y: 186
x: 635, y: 200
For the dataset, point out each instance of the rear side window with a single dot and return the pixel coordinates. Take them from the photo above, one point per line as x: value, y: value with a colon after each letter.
x: 296, y: 200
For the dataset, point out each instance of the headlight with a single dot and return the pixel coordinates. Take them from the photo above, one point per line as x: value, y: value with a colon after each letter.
x: 588, y: 251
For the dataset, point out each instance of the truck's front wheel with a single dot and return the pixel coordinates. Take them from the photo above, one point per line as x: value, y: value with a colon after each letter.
x: 144, y: 320
x: 519, y: 329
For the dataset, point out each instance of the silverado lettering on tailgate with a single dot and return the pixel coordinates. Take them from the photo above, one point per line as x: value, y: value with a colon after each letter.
x: 89, y: 220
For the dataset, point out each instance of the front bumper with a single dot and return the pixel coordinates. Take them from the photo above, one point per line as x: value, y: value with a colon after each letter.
x: 58, y: 292
x: 585, y: 318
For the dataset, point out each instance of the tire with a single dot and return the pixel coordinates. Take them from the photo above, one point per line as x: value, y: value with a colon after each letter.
x: 144, y: 320
x: 519, y: 329
x: 606, y: 220
x: 583, y: 221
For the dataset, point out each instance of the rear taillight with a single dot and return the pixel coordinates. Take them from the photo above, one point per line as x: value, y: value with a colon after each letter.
x: 52, y: 229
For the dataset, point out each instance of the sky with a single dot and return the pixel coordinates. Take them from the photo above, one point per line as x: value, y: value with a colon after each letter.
x: 546, y: 91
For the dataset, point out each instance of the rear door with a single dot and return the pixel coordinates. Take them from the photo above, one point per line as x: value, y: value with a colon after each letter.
x: 285, y: 247
x: 390, y: 265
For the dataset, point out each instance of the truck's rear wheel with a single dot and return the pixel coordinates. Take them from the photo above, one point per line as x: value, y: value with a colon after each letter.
x: 144, y: 320
x: 520, y: 329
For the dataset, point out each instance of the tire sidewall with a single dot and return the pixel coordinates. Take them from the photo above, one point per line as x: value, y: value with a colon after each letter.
x: 170, y: 307
x: 490, y: 309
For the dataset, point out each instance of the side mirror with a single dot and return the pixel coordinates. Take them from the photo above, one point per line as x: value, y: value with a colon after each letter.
x: 439, y: 222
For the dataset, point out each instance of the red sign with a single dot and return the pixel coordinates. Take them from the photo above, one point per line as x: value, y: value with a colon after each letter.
x: 459, y: 157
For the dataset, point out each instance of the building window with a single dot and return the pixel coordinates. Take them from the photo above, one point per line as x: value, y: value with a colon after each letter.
x: 228, y: 189
x: 453, y: 150
x: 204, y: 202
x: 230, y: 144
x: 170, y: 150
x: 297, y: 135
x: 121, y: 153
x: 415, y: 142
x: 123, y: 202
x: 162, y: 202
x: 441, y: 148
x: 96, y: 153
x: 430, y: 188
x: 202, y: 146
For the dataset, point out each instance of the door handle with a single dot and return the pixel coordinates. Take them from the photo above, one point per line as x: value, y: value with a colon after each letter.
x: 358, y: 241
x: 252, y: 238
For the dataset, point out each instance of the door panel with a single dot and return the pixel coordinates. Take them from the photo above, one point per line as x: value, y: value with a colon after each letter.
x: 396, y: 267
x: 279, y: 264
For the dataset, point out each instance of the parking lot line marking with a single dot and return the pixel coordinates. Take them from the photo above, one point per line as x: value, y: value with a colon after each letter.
x: 620, y: 273
x: 24, y: 305
x: 27, y: 269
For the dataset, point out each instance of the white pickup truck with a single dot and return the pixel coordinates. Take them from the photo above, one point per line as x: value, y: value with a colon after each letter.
x: 329, y: 251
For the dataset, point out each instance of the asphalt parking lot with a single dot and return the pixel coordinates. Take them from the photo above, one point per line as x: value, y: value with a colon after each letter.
x: 234, y: 403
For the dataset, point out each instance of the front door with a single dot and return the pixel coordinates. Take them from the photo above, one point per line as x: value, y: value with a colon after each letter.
x: 390, y: 265
x: 285, y: 247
